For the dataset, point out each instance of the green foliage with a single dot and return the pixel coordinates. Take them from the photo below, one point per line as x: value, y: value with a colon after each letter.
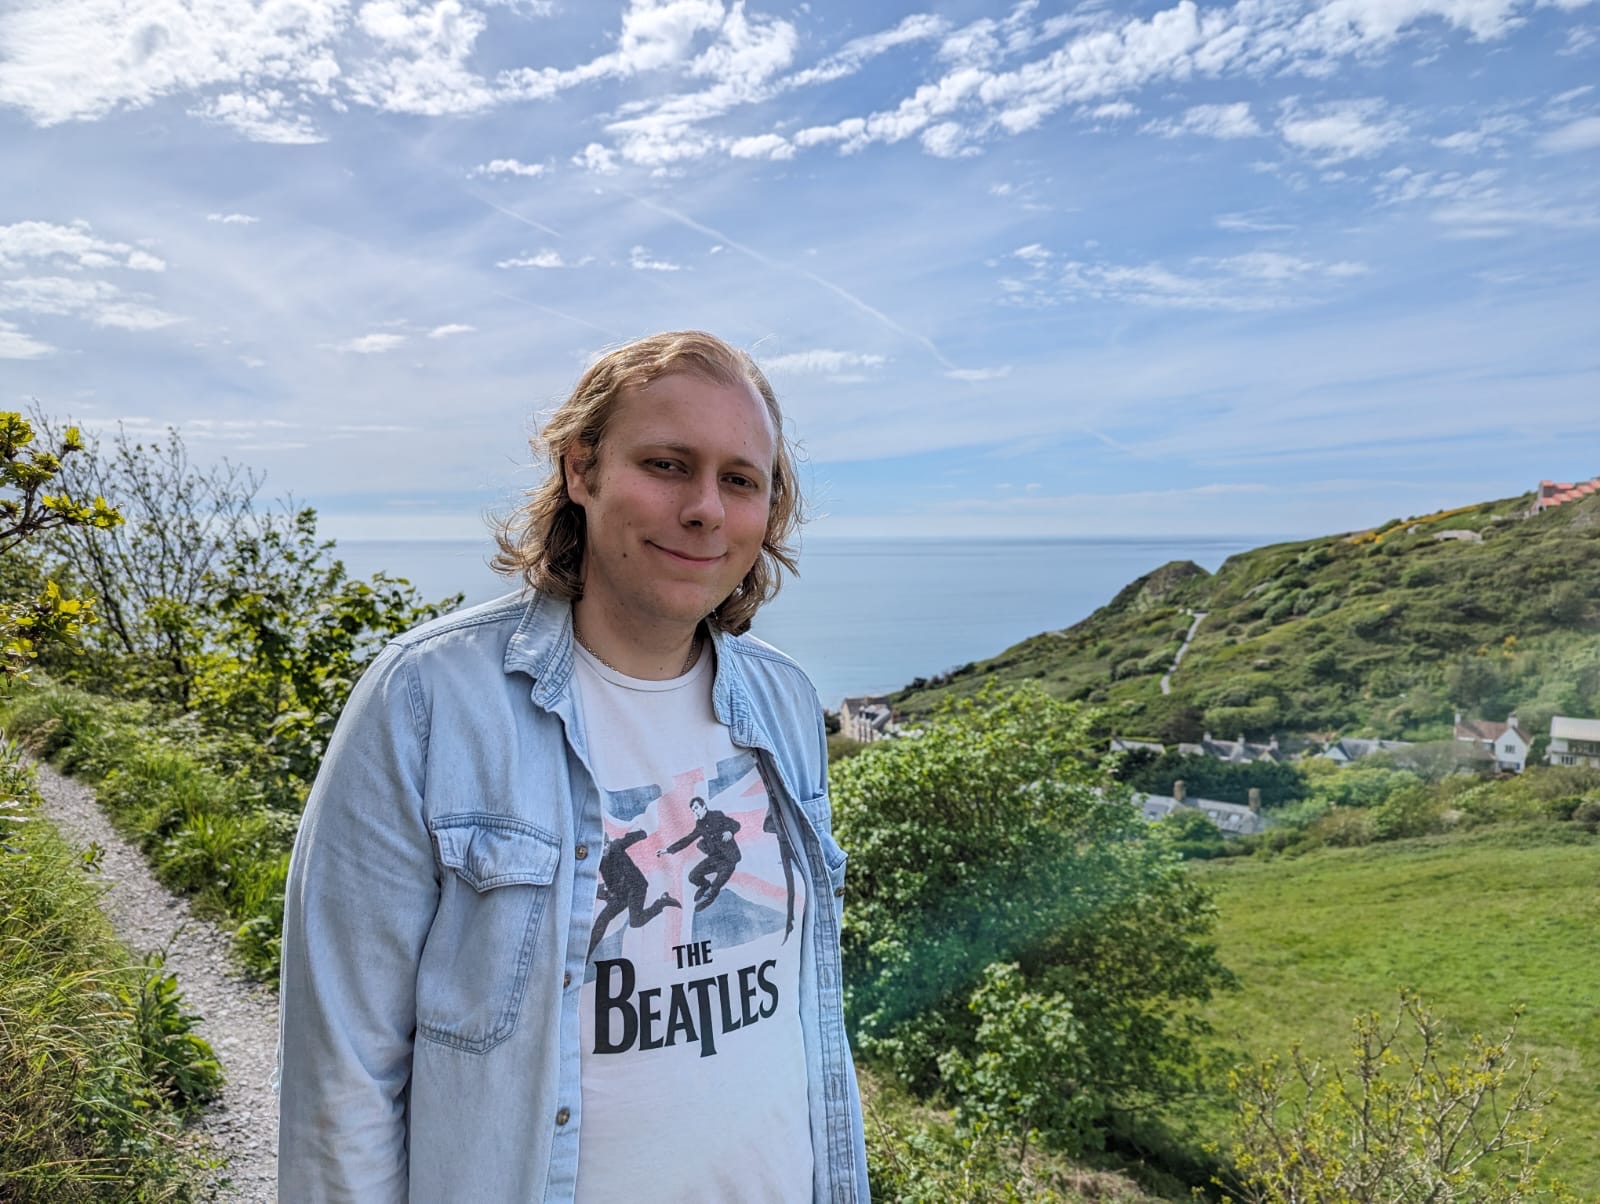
x: 42, y: 616
x: 992, y: 839
x: 288, y: 634
x: 1477, y: 922
x: 1356, y: 635
x: 1192, y: 834
x: 1405, y: 1122
x: 1210, y: 777
x: 90, y: 1096
x: 176, y: 1061
x: 205, y: 830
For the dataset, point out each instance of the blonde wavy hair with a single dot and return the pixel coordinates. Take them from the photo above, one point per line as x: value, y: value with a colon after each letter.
x: 543, y: 539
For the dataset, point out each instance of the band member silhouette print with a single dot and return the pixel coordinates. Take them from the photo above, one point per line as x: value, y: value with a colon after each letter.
x: 623, y: 887
x: 713, y: 833
x: 786, y: 853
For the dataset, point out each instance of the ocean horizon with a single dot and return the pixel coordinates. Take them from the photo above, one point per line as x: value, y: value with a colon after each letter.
x: 866, y: 615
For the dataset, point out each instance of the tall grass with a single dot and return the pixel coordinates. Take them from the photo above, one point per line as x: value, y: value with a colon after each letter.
x: 189, y: 802
x: 97, y: 1063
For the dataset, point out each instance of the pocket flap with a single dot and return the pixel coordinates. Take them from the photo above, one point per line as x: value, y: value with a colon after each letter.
x: 487, y: 851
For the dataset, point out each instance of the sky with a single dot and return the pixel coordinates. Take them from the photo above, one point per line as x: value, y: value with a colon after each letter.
x: 1269, y: 267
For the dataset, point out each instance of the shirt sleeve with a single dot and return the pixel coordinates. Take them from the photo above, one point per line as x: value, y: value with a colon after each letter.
x: 361, y: 893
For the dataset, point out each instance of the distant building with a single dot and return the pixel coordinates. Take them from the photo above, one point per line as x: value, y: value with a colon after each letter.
x: 1503, y: 743
x: 1239, y: 752
x: 867, y: 718
x: 1231, y: 819
x: 1574, y: 742
x: 1556, y: 493
x: 1119, y: 744
x: 1348, y: 749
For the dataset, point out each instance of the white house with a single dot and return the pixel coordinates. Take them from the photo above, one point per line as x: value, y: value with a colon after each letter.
x: 1574, y: 742
x: 867, y: 718
x: 1231, y: 818
x: 1504, y: 743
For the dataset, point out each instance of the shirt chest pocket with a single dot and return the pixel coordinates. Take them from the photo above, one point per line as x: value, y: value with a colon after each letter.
x: 496, y: 875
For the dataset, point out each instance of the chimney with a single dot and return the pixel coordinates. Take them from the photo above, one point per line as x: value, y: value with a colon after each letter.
x: 1255, y: 800
x: 1178, y: 790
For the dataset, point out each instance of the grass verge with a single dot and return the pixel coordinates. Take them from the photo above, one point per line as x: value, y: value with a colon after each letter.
x: 97, y: 1064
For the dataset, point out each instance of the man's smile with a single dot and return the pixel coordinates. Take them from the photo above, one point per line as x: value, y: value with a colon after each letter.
x: 685, y: 557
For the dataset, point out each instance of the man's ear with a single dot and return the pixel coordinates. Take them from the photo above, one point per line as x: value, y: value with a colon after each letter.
x: 575, y: 472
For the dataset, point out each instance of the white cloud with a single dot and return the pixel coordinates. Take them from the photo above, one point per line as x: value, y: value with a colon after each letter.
x: 761, y: 146
x: 507, y: 167
x: 1489, y: 134
x: 95, y: 301
x: 1582, y: 134
x: 444, y: 332
x: 979, y: 375
x: 1113, y: 110
x: 15, y: 345
x: 425, y: 49
x: 639, y: 259
x: 821, y: 362
x: 856, y: 53
x: 265, y: 116
x: 1212, y: 121
x: 82, y: 59
x: 1033, y: 253
x: 371, y: 344
x: 544, y: 259
x: 1249, y: 223
x: 1340, y: 130
x: 232, y: 219
x: 597, y: 159
x: 72, y: 247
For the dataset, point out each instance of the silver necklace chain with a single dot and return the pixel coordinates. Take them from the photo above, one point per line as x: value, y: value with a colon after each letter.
x: 688, y: 661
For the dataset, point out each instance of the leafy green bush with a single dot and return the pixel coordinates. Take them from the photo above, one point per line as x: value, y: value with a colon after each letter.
x: 993, y: 839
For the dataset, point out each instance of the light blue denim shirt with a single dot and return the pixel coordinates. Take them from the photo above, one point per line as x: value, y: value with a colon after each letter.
x: 438, y: 909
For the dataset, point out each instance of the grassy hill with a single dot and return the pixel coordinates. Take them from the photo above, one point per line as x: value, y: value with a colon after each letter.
x: 1476, y: 923
x: 1383, y: 632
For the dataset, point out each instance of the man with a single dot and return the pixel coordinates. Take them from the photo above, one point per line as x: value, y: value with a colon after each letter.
x: 448, y: 1031
x: 713, y: 834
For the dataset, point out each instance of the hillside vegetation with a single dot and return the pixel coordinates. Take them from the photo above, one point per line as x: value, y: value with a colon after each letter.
x: 1477, y: 923
x: 1382, y: 633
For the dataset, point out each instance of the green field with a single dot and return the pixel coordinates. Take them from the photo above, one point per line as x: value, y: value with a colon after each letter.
x: 1474, y: 923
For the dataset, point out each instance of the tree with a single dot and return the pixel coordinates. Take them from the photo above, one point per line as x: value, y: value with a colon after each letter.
x: 993, y: 839
x: 152, y: 572
x: 34, y: 614
x: 1404, y: 1123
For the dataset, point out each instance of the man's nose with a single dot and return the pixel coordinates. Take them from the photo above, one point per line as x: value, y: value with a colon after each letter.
x: 703, y: 507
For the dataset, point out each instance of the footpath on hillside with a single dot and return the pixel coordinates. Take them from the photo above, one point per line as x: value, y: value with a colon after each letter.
x: 238, y: 1017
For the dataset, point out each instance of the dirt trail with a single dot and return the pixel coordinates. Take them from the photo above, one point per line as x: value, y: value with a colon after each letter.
x: 238, y: 1017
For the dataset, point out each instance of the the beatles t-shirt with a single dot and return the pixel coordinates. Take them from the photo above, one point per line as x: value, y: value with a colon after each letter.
x: 694, y: 1073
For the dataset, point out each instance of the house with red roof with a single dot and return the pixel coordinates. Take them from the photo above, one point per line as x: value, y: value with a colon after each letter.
x: 1554, y: 493
x: 1504, y: 743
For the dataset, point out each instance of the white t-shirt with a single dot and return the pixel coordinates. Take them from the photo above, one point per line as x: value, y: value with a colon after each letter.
x: 694, y: 1073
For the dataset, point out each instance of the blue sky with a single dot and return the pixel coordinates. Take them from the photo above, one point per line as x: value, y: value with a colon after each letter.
x: 1048, y: 268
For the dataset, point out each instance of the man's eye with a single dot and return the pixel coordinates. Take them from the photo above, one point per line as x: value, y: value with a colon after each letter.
x: 667, y: 465
x: 739, y: 482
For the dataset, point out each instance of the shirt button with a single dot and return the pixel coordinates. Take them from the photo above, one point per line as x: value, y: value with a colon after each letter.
x: 839, y: 894
x: 563, y: 1115
x: 581, y: 852
x: 566, y: 979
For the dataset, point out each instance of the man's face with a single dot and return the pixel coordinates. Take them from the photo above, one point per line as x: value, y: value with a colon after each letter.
x: 677, y: 502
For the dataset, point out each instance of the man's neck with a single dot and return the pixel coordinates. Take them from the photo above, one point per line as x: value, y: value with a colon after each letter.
x: 651, y: 652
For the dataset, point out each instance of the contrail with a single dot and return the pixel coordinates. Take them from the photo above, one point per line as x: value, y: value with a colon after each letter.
x: 605, y: 330
x: 768, y: 261
x: 514, y: 215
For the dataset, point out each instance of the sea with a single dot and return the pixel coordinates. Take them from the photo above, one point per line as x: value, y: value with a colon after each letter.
x: 867, y: 615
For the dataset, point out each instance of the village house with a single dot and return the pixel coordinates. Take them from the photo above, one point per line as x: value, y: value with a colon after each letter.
x: 867, y: 718
x: 1231, y: 819
x: 1555, y: 493
x: 1574, y: 742
x: 1503, y: 743
x: 1346, y: 750
x: 1239, y: 752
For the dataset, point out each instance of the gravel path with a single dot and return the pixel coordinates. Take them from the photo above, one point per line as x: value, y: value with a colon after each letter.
x: 238, y: 1017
